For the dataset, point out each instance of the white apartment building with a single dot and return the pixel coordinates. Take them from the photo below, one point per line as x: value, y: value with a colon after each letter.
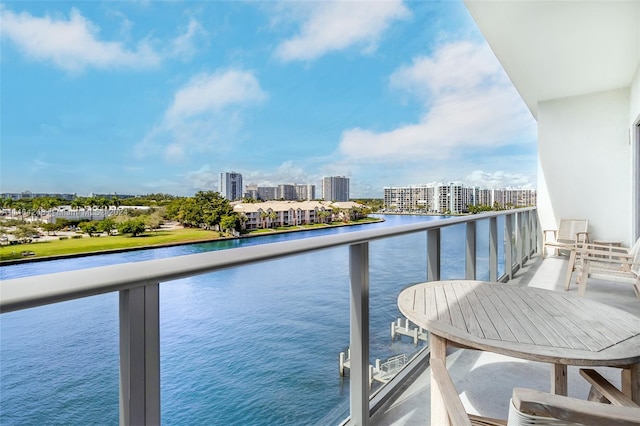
x: 410, y: 198
x: 335, y: 188
x: 453, y: 198
x: 231, y: 185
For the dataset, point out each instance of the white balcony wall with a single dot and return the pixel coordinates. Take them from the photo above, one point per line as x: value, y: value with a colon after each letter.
x: 634, y: 103
x: 585, y: 163
x: 634, y: 125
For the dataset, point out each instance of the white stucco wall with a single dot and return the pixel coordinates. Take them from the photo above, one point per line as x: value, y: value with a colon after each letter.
x: 634, y: 119
x: 584, y: 163
x: 634, y: 102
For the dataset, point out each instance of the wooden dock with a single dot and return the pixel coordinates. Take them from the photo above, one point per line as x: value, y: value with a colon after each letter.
x: 416, y: 333
x: 382, y: 372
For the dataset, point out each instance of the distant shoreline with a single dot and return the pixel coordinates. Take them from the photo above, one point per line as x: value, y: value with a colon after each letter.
x: 174, y: 244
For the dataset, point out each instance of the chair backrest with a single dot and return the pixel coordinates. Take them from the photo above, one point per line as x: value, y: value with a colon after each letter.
x: 635, y: 248
x: 569, y: 228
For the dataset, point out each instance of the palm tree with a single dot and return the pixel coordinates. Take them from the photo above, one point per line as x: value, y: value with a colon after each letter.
x: 103, y: 203
x: 23, y: 206
x: 90, y: 203
x: 264, y: 215
x: 273, y: 216
x: 243, y: 221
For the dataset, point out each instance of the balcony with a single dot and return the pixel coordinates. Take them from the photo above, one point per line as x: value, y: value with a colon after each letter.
x: 139, y: 285
x: 486, y: 380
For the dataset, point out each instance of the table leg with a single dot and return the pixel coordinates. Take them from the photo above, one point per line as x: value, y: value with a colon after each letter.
x: 631, y: 382
x: 559, y: 379
x: 438, y: 347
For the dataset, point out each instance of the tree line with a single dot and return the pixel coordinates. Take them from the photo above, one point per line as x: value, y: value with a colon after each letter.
x: 206, y: 209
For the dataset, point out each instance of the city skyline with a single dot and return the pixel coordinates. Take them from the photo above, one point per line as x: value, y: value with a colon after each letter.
x: 146, y: 97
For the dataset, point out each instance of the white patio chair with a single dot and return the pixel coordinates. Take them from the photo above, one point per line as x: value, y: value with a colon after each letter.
x: 598, y: 252
x: 606, y: 263
x: 569, y: 233
x: 532, y: 407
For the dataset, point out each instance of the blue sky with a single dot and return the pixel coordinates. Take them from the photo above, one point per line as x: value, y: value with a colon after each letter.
x: 138, y: 97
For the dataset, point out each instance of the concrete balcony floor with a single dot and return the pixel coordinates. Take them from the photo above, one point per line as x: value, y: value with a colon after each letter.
x: 485, y: 380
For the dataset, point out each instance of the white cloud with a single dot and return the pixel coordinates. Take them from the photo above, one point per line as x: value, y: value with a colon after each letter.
x: 337, y: 25
x: 205, y: 114
x: 184, y: 45
x: 203, y: 179
x: 468, y: 103
x: 498, y: 179
x: 74, y: 44
x: 287, y: 172
x: 213, y: 92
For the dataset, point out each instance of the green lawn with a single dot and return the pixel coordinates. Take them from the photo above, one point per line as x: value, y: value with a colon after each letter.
x: 84, y: 245
x: 88, y: 245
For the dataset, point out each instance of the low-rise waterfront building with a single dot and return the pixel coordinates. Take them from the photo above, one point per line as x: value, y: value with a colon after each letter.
x: 271, y: 214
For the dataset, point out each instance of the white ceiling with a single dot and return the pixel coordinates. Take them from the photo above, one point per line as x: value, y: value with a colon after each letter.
x: 556, y: 49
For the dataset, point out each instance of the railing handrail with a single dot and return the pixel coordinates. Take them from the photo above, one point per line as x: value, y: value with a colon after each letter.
x: 33, y: 291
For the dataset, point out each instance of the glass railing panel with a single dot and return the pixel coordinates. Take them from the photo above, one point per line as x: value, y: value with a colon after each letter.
x: 395, y: 263
x: 482, y: 250
x: 453, y: 252
x: 60, y: 363
x: 257, y: 344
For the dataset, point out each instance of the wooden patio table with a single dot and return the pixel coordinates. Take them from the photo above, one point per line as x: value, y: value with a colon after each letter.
x: 526, y: 323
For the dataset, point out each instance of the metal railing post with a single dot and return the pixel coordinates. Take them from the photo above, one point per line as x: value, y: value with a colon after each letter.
x: 534, y: 232
x: 433, y: 254
x: 527, y: 233
x: 359, y: 344
x: 140, y: 356
x: 508, y: 239
x: 519, y: 239
x: 493, y: 249
x: 471, y: 251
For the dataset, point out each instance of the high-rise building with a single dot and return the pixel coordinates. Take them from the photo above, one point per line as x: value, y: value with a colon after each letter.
x: 306, y: 192
x: 231, y: 185
x: 335, y: 188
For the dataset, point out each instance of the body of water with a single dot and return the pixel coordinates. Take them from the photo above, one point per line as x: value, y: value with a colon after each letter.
x: 256, y: 345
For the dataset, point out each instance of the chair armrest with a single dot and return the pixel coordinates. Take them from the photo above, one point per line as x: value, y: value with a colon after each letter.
x: 602, y: 385
x: 533, y: 402
x: 455, y: 409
